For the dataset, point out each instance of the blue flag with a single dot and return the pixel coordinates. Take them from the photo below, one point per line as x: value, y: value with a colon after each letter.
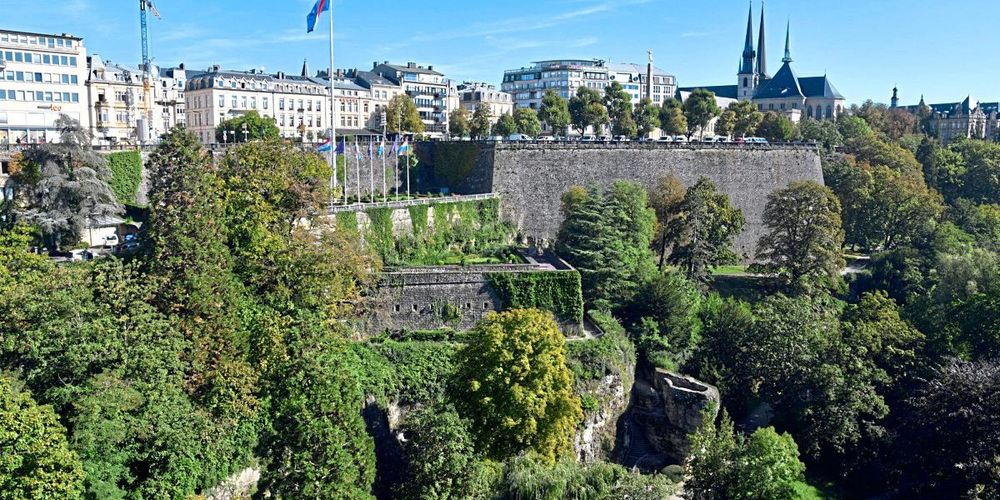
x: 342, y: 147
x: 313, y: 18
x: 324, y: 147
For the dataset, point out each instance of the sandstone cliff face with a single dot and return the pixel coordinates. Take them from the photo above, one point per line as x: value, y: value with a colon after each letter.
x: 668, y: 407
x: 595, y: 440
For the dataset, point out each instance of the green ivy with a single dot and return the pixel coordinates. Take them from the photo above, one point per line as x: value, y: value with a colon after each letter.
x: 380, y: 237
x: 418, y: 217
x: 126, y: 175
x: 407, y: 372
x: 454, y: 161
x: 560, y: 292
x: 612, y: 354
x: 347, y: 221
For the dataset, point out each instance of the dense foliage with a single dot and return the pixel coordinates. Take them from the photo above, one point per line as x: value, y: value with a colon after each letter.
x: 126, y: 175
x: 559, y: 292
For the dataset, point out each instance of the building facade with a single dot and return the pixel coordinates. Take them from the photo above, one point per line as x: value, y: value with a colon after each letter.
x: 471, y: 95
x: 564, y: 76
x: 168, y: 98
x: 116, y: 97
x: 785, y: 92
x: 42, y: 76
x: 434, y: 95
x: 299, y: 105
x: 970, y: 119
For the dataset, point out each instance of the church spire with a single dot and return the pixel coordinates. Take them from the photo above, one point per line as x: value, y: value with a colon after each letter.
x: 748, y: 53
x: 788, y: 43
x: 761, y: 51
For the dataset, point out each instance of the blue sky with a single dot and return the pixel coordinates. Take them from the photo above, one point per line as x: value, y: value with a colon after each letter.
x: 943, y: 49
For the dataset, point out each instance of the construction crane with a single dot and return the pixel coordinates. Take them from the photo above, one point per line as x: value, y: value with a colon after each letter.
x: 147, y: 67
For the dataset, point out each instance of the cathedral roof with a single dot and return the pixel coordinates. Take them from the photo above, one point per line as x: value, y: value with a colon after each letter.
x: 819, y: 86
x: 784, y: 84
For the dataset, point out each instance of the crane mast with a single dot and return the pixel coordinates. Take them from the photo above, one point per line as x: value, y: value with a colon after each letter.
x: 146, y: 70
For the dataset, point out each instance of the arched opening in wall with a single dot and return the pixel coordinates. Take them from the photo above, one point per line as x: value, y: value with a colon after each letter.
x: 829, y: 111
x: 809, y: 111
x: 415, y: 308
x: 396, y: 307
x: 744, y: 81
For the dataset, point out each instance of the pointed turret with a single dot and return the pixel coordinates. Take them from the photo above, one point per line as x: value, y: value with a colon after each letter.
x: 895, y: 97
x: 788, y: 44
x: 305, y: 68
x: 761, y: 49
x: 748, y: 54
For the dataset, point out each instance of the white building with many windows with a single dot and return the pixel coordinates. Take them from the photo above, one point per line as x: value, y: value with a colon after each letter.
x: 564, y: 76
x: 471, y: 95
x: 41, y: 77
x: 117, y: 103
x: 434, y: 95
x: 168, y: 95
x: 299, y: 105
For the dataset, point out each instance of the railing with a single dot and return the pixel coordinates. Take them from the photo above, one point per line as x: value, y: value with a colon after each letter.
x: 357, y: 207
x: 576, y: 143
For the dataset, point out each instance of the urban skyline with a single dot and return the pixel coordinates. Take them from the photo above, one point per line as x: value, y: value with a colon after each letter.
x: 870, y: 48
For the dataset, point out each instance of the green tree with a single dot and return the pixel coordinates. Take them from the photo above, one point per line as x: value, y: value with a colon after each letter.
x: 805, y: 236
x: 665, y: 199
x: 668, y: 307
x: 873, y: 327
x: 441, y: 455
x: 554, y: 112
x: 402, y: 117
x: 982, y: 178
x: 776, y: 127
x: 186, y: 249
x: 823, y: 132
x: 513, y: 384
x: 700, y: 109
x: 672, y: 118
x: 950, y: 433
x: 63, y: 187
x: 853, y: 127
x: 726, y: 123
x: 747, y: 118
x: 458, y: 123
x: 526, y: 122
x: 586, y: 109
x: 505, y: 126
x: 316, y: 444
x: 944, y: 168
x: 606, y: 235
x: 647, y: 117
x: 704, y: 230
x: 482, y: 121
x: 35, y: 460
x: 248, y: 127
x: 726, y: 464
x: 619, y: 105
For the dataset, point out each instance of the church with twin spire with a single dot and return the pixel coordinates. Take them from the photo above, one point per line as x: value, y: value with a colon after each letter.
x: 785, y: 92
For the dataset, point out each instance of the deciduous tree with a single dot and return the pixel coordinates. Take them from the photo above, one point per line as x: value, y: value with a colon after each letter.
x: 526, y: 122
x: 256, y: 127
x: 704, y: 230
x: 458, y: 123
x: 647, y: 117
x: 505, y: 126
x: 513, y: 384
x: 672, y: 118
x: 401, y: 116
x: 482, y: 121
x: 700, y: 108
x: 554, y: 112
x: 586, y: 110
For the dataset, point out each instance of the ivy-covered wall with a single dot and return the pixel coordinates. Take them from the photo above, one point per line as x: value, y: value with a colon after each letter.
x: 453, y: 162
x: 442, y: 233
x: 557, y: 291
x: 126, y: 175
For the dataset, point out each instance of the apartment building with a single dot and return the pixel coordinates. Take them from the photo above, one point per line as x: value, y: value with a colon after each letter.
x: 299, y: 105
x: 434, y: 95
x: 41, y: 77
x: 471, y: 95
x: 168, y: 98
x: 564, y: 76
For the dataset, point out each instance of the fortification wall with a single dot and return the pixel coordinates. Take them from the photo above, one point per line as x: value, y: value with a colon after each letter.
x: 531, y: 178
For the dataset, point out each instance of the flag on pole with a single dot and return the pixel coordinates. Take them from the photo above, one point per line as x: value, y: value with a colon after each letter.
x: 312, y: 20
x: 324, y: 147
x: 381, y: 148
x: 357, y: 151
x: 405, y: 148
x: 395, y: 146
x: 370, y: 155
x: 342, y: 147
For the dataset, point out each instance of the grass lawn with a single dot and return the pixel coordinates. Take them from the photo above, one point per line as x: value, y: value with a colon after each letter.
x: 729, y: 270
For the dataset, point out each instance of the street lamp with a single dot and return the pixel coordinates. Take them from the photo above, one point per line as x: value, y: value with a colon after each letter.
x: 246, y: 133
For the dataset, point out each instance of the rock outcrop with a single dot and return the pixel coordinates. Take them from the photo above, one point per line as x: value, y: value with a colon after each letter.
x: 668, y: 407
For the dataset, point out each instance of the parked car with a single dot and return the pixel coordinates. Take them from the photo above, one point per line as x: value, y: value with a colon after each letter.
x: 519, y: 138
x: 604, y: 138
x: 546, y: 138
x: 756, y: 140
x: 665, y: 139
x: 109, y: 241
x: 622, y: 138
x: 680, y: 138
x: 588, y: 138
x: 496, y: 138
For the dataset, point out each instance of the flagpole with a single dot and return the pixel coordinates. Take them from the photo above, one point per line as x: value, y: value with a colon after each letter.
x: 408, y: 153
x: 385, y: 196
x: 357, y: 168
x: 333, y: 106
x: 371, y: 172
x: 395, y: 168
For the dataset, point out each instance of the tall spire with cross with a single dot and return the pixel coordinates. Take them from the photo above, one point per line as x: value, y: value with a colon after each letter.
x: 788, y: 43
x: 748, y: 54
x: 761, y: 48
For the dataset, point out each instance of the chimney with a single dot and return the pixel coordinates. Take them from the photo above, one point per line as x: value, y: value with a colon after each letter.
x: 430, y: 68
x: 385, y: 62
x: 181, y: 66
x: 374, y: 64
x: 216, y: 68
x: 411, y: 65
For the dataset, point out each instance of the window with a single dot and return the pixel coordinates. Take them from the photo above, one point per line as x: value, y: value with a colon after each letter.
x: 222, y: 101
x: 253, y: 102
x: 264, y: 99
x: 281, y: 103
x: 234, y: 101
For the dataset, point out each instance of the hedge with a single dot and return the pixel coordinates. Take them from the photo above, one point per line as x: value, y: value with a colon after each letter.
x: 560, y: 292
x: 126, y: 175
x: 406, y: 372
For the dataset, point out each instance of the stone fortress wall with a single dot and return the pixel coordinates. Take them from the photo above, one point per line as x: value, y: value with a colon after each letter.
x: 531, y: 178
